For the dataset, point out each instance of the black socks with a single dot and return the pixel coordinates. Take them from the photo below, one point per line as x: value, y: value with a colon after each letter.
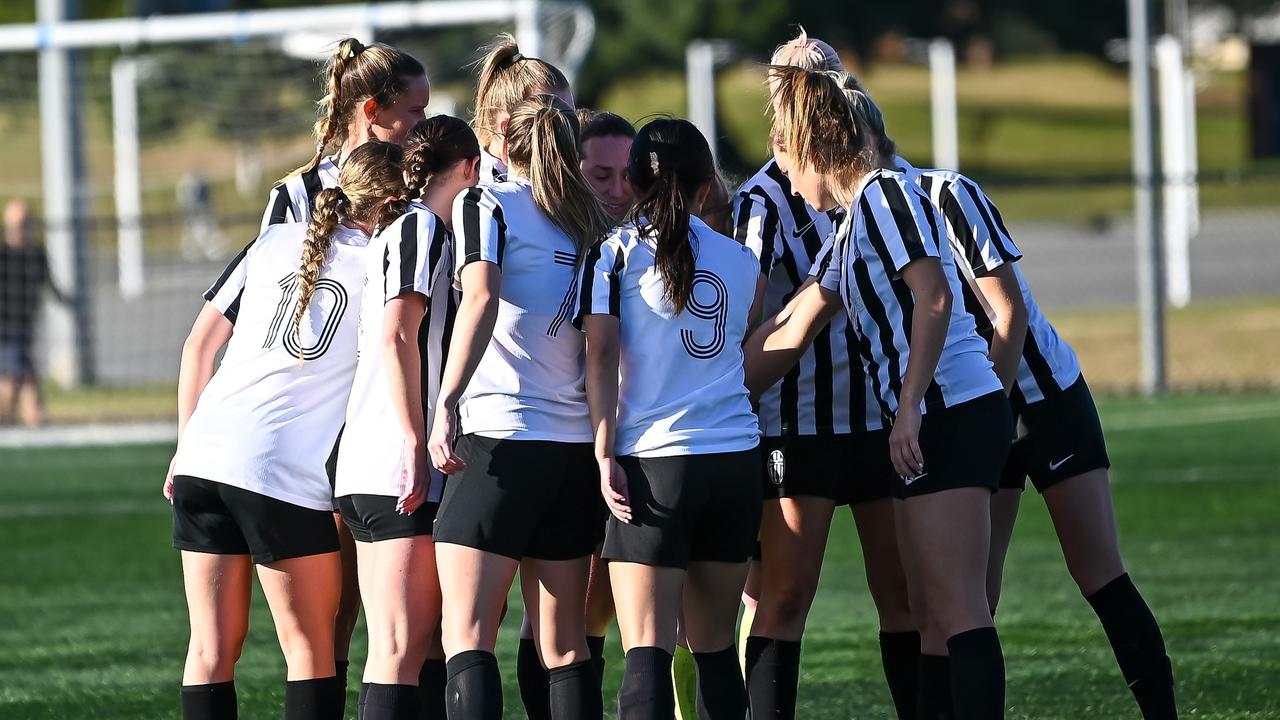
x: 474, y: 687
x: 647, y: 692
x: 977, y: 674
x: 533, y: 681
x: 933, y: 693
x: 575, y: 692
x: 1138, y: 645
x: 721, y: 692
x: 389, y: 702
x: 773, y: 677
x: 431, y: 681
x: 596, y: 646
x: 311, y: 699
x: 216, y: 701
x: 900, y: 655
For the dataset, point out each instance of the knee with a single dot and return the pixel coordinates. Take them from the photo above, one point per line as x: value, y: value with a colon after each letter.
x: 398, y: 647
x: 216, y: 656
x: 789, y: 601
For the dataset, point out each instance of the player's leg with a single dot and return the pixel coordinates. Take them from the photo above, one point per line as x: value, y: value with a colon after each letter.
x: 531, y: 673
x: 648, y: 600
x: 344, y: 624
x: 477, y: 583
x: 1004, y: 515
x: 218, y: 590
x: 8, y: 398
x: 302, y: 593
x: 555, y: 592
x: 30, y: 400
x: 600, y: 613
x: 711, y: 595
x: 887, y: 583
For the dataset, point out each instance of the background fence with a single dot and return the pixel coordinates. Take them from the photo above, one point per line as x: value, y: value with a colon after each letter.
x: 1048, y: 138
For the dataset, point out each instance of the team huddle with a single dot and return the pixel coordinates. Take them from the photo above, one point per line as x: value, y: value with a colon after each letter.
x: 548, y: 343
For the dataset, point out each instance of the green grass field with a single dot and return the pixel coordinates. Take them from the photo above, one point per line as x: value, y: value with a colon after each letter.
x: 95, y: 625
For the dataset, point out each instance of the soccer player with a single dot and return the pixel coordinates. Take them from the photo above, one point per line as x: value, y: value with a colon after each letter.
x: 666, y: 303
x: 373, y: 92
x: 407, y: 313
x: 824, y: 446
x: 605, y: 144
x: 24, y: 273
x: 246, y: 484
x: 522, y: 489
x: 892, y: 270
x: 508, y: 77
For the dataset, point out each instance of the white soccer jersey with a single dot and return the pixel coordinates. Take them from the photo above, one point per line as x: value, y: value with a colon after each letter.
x: 266, y: 420
x: 982, y: 243
x: 411, y: 255
x: 291, y: 198
x: 529, y: 385
x: 892, y: 223
x: 681, y: 387
x: 827, y: 391
x: 492, y: 169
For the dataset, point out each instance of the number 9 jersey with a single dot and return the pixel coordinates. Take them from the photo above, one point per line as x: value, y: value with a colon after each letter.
x: 267, y: 418
x: 681, y: 387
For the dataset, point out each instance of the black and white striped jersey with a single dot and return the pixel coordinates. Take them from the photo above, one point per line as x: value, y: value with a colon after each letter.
x: 826, y: 392
x: 414, y: 254
x: 530, y: 383
x: 291, y: 198
x: 982, y: 243
x: 277, y: 395
x: 492, y: 169
x: 891, y: 224
x: 681, y: 387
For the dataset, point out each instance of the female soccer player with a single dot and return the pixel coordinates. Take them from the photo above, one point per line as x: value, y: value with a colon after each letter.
x: 246, y: 485
x: 823, y: 446
x: 665, y: 304
x: 604, y: 144
x: 373, y: 92
x: 522, y: 490
x: 1061, y: 444
x: 508, y: 77
x: 950, y: 423
x: 407, y: 312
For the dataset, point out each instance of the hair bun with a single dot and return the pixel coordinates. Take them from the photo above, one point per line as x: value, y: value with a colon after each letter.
x: 354, y: 48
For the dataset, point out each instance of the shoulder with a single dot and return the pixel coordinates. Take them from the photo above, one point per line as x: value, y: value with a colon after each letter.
x: 767, y: 184
x: 719, y: 245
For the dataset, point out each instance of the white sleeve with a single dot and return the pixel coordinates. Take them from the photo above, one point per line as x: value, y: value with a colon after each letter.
x: 225, y: 292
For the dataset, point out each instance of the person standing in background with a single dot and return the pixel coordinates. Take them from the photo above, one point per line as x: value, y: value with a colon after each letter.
x: 24, y: 272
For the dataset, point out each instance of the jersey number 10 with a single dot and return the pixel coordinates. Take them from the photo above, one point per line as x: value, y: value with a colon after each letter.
x: 282, y: 323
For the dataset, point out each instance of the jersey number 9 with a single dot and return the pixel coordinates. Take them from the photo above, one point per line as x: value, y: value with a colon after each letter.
x: 708, y: 300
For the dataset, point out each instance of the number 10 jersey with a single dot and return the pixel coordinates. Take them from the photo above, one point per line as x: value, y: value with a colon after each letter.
x: 271, y: 413
x: 681, y: 387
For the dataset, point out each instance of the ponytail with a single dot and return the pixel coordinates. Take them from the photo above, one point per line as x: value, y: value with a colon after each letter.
x: 371, y: 191
x: 506, y: 77
x: 433, y: 145
x: 542, y: 142
x: 670, y: 162
x: 354, y: 73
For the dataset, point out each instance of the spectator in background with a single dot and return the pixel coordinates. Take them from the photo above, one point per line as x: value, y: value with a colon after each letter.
x: 24, y: 272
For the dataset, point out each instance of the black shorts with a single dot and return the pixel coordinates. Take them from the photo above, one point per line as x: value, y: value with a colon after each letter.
x: 219, y: 519
x: 688, y: 508
x: 847, y: 469
x: 16, y: 357
x: 965, y: 445
x: 523, y: 498
x: 1059, y: 437
x: 372, y: 518
x: 331, y: 469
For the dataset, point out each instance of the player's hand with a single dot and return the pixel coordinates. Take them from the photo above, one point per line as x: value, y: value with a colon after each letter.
x: 440, y: 444
x: 904, y: 442
x: 415, y: 480
x: 168, y: 481
x: 613, y: 486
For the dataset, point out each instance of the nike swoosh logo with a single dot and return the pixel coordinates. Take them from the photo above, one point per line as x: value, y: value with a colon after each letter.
x: 1056, y: 465
x: 910, y: 479
x: 801, y: 231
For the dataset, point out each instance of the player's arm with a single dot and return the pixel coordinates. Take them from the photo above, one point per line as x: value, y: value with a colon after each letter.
x: 779, y: 342
x: 402, y: 317
x: 1000, y: 289
x: 209, y: 333
x: 602, y: 350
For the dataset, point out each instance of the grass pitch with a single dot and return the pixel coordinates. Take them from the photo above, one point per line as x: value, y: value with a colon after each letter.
x: 95, y: 625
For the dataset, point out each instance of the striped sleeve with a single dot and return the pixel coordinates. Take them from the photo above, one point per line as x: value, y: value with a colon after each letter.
x: 756, y: 226
x: 977, y: 232
x: 901, y: 221
x: 827, y: 265
x: 415, y: 245
x: 480, y: 227
x: 599, y: 289
x: 278, y: 209
x: 225, y: 292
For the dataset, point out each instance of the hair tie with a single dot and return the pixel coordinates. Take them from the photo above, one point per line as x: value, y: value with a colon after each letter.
x: 662, y: 154
x: 355, y: 49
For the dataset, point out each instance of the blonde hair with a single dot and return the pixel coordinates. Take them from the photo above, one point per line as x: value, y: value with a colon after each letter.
x: 815, y: 122
x: 807, y: 53
x: 506, y: 78
x: 355, y: 72
x: 370, y: 176
x: 542, y: 142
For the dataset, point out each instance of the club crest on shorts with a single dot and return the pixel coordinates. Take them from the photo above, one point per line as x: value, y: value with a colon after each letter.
x: 777, y: 466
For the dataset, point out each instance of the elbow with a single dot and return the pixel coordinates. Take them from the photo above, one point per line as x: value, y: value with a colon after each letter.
x: 941, y: 300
